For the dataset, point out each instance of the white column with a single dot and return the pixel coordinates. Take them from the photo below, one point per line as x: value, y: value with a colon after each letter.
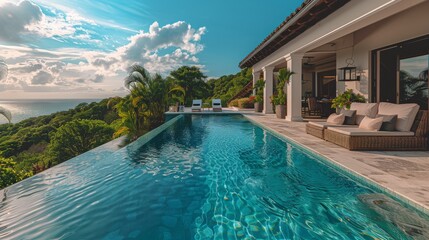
x: 255, y: 79
x: 294, y: 88
x: 268, y: 90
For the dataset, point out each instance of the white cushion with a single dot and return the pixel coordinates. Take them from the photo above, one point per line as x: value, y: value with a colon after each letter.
x: 336, y: 119
x: 364, y: 132
x: 364, y: 109
x: 406, y: 114
x: 373, y: 124
x: 326, y: 125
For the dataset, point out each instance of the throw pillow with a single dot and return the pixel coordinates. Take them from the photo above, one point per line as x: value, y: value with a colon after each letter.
x: 389, y: 122
x: 350, y: 116
x: 336, y: 119
x: 373, y: 124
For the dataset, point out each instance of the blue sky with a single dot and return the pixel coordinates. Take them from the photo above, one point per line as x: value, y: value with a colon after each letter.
x: 82, y: 48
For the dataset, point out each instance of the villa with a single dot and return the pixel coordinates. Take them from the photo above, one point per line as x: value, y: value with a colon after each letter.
x: 379, y: 41
x: 236, y: 174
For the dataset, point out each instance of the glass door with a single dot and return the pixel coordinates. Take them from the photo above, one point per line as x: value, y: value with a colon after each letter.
x: 400, y: 73
x: 413, y: 80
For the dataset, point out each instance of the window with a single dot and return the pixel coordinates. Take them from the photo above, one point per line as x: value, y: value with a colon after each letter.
x: 400, y: 73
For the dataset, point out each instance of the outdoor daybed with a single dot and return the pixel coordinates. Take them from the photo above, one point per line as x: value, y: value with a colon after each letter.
x: 362, y: 109
x: 411, y: 132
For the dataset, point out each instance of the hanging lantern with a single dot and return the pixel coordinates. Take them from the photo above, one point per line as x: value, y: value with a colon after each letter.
x: 348, y: 73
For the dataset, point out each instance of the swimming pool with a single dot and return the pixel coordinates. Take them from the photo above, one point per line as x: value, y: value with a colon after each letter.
x: 204, y: 177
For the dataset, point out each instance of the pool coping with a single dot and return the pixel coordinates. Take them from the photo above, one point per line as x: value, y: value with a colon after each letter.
x: 152, y: 134
x: 360, y: 178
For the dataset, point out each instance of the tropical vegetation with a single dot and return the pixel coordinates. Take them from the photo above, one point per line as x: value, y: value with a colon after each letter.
x: 242, y: 102
x: 259, y: 88
x: 192, y: 81
x: 280, y: 97
x: 226, y: 87
x: 345, y: 99
x: 143, y: 108
x: 35, y: 144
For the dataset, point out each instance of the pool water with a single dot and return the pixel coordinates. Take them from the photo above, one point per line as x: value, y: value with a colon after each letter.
x: 205, y: 177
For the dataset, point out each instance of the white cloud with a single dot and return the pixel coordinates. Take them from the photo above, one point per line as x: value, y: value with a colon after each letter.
x: 179, y: 40
x: 97, y: 79
x: 179, y: 35
x: 3, y: 70
x: 25, y: 21
x: 52, y: 26
x: 28, y: 67
x: 42, y: 78
x: 32, y: 69
x: 14, y: 19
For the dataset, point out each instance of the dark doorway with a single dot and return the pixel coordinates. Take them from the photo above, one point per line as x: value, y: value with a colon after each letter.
x: 326, y: 84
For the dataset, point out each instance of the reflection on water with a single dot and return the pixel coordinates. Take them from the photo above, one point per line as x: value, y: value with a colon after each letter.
x: 414, y: 80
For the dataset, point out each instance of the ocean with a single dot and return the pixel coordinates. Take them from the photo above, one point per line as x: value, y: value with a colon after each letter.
x: 23, y: 109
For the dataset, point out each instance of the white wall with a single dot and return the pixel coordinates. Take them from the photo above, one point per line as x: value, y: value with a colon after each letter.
x: 403, y: 26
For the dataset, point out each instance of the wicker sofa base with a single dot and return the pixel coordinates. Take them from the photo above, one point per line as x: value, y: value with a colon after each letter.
x: 377, y: 143
x: 314, y: 130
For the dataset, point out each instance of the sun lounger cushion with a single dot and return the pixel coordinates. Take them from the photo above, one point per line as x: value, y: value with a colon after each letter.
x: 364, y: 109
x: 326, y: 125
x: 389, y: 122
x: 364, y: 132
x: 336, y: 119
x: 406, y: 114
x: 373, y: 124
x: 350, y: 116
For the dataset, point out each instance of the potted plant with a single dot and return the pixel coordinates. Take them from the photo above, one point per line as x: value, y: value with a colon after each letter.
x: 345, y: 100
x: 259, y: 98
x: 279, y: 100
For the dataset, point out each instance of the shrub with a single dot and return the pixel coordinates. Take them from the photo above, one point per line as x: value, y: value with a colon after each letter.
x: 345, y: 99
x: 233, y: 103
x: 77, y: 137
x: 252, y: 99
x: 245, y: 103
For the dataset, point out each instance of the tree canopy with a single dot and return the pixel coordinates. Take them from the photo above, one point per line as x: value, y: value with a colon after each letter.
x: 228, y: 86
x: 192, y: 80
x: 78, y: 136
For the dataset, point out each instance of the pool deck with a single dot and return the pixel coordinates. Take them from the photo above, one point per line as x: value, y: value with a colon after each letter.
x: 404, y: 173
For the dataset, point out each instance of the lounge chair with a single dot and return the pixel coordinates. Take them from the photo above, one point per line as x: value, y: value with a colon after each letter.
x: 196, y: 105
x: 217, y: 105
x: 411, y: 132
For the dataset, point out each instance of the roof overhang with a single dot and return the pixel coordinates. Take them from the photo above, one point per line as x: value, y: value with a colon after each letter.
x: 303, y: 18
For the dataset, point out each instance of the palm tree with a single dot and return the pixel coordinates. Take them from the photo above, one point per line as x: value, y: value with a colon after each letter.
x: 143, y: 109
x: 6, y: 113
